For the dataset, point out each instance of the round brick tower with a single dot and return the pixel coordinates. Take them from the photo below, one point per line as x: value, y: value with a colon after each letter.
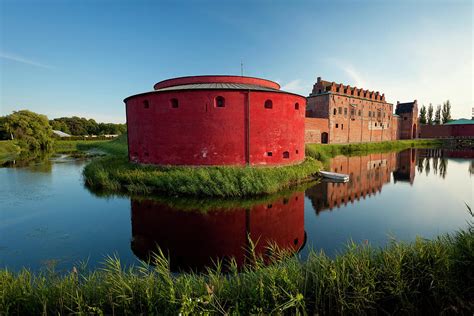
x: 216, y: 120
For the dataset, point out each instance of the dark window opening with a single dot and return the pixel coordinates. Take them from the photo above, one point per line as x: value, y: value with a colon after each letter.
x: 297, y: 151
x: 404, y: 118
x: 342, y: 126
x: 268, y: 104
x: 324, y: 138
x: 345, y: 111
x: 319, y: 91
x: 174, y: 103
x: 295, y: 241
x: 146, y: 104
x: 220, y: 102
x: 335, y: 111
x: 269, y: 206
x: 297, y: 106
x: 296, y: 198
x: 352, y: 112
x: 286, y: 154
x: 285, y: 201
x: 337, y: 125
x: 360, y: 113
x: 375, y: 124
x: 340, y: 110
x: 269, y: 154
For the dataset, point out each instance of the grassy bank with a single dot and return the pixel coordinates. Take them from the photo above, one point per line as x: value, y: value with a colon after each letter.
x: 324, y: 152
x: 114, y: 173
x: 425, y: 277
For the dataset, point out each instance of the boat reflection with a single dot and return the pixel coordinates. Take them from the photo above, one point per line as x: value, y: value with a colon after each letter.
x: 193, y: 239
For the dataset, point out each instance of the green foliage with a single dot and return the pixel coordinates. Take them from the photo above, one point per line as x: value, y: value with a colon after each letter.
x: 80, y: 126
x: 30, y: 130
x: 430, y: 114
x: 425, y: 277
x: 437, y: 119
x: 446, y: 112
x: 8, y: 149
x: 423, y: 114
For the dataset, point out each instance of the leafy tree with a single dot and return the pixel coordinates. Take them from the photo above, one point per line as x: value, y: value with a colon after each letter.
x: 437, y: 119
x: 430, y: 114
x: 79, y: 126
x: 423, y: 114
x: 31, y: 130
x: 446, y: 112
x: 4, y: 135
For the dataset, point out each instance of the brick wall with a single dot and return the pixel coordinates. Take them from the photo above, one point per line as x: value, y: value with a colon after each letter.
x: 314, y: 129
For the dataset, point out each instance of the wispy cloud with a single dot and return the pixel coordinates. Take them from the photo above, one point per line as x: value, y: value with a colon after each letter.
x: 297, y: 86
x: 357, y: 78
x: 23, y: 60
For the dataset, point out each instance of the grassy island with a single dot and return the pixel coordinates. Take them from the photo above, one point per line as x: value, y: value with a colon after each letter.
x: 424, y: 277
x: 114, y: 173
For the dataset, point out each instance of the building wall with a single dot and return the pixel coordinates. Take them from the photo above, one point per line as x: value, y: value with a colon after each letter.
x: 199, y: 133
x: 349, y: 120
x: 314, y: 129
x: 447, y: 131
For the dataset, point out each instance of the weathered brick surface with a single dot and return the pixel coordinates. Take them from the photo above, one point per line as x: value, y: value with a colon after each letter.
x: 314, y: 129
x: 447, y: 131
x: 356, y: 115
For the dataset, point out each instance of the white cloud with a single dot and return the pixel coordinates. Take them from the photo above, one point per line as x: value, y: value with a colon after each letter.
x: 297, y: 86
x: 23, y: 60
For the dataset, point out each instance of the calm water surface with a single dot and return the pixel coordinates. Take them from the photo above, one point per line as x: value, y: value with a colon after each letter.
x: 48, y: 217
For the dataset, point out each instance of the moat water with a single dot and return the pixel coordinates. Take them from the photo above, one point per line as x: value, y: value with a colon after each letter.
x: 48, y: 218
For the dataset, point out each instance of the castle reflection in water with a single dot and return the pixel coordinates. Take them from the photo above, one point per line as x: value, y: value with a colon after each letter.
x: 194, y: 239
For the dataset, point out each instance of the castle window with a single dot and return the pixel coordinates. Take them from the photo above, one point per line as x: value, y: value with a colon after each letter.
x: 375, y: 124
x: 297, y: 106
x: 174, y: 103
x: 335, y: 111
x: 269, y: 206
x: 388, y: 125
x: 379, y: 114
x: 405, y: 118
x: 269, y: 154
x: 370, y: 114
x: 340, y: 110
x: 146, y: 104
x: 345, y: 111
x: 297, y: 151
x: 337, y: 125
x: 286, y: 154
x: 220, y: 102
x: 319, y: 91
x: 285, y: 201
x: 360, y: 113
x: 268, y: 104
x: 352, y: 112
x: 342, y: 126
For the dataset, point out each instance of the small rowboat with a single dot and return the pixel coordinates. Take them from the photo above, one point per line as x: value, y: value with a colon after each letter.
x: 335, y: 177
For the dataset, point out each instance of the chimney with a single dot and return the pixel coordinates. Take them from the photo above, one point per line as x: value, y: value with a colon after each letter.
x: 319, y: 79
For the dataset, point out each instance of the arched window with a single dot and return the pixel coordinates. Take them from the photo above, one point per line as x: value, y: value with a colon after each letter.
x: 220, y: 102
x: 146, y: 104
x: 297, y: 106
x: 334, y: 111
x: 174, y: 103
x: 268, y: 104
x: 286, y: 154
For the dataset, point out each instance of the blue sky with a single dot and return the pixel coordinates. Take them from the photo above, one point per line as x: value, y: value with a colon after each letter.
x: 65, y: 58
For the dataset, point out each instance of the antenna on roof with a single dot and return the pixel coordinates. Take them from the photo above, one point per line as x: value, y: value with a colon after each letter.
x: 241, y: 68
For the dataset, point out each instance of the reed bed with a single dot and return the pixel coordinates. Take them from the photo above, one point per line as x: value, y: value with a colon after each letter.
x: 424, y: 277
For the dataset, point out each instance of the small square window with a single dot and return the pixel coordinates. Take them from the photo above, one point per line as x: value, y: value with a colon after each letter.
x: 269, y: 154
x: 337, y: 125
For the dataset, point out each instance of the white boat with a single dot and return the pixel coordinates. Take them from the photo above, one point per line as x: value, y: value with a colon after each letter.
x: 336, y: 177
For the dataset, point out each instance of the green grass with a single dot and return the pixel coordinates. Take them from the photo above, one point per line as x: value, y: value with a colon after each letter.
x: 324, y: 152
x: 8, y: 150
x: 113, y: 173
x: 424, y: 277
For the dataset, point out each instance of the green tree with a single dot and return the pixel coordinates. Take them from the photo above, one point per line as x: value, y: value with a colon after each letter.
x: 430, y: 114
x: 437, y: 119
x: 423, y: 114
x: 446, y: 112
x: 31, y: 130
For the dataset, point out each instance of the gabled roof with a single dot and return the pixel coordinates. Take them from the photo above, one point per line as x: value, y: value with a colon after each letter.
x: 406, y: 107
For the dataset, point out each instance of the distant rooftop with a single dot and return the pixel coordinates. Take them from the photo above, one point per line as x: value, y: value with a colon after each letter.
x: 461, y: 121
x: 323, y: 86
x: 406, y: 107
